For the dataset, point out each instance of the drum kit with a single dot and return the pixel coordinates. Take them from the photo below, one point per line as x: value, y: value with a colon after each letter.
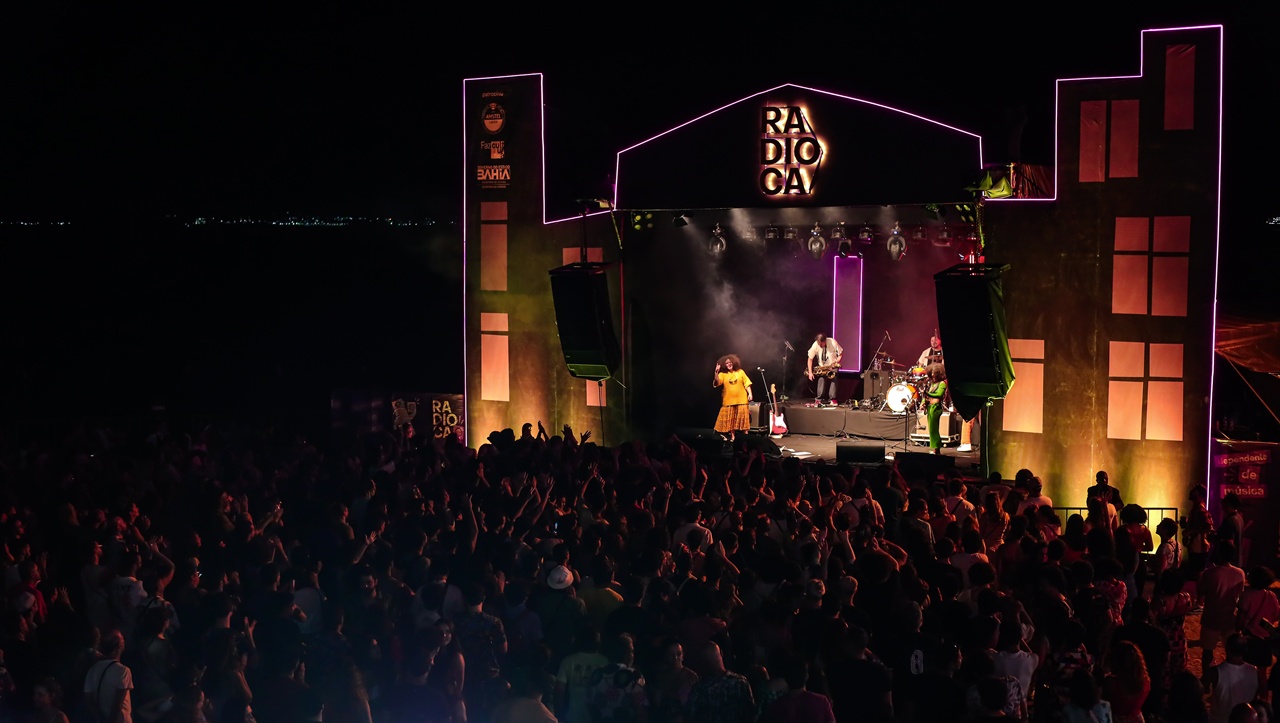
x: 907, y: 387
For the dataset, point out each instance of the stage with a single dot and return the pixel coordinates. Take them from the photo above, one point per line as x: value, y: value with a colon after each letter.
x: 877, y: 424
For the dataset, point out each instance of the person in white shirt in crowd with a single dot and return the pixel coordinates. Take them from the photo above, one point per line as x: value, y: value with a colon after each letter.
x: 109, y: 683
x: 1035, y: 496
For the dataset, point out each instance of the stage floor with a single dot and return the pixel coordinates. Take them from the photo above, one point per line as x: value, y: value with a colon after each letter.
x: 819, y: 448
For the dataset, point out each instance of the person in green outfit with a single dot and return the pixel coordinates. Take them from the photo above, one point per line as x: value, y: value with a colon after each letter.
x: 934, y: 395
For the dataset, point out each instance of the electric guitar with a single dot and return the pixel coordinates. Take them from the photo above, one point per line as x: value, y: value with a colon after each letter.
x: 777, y: 424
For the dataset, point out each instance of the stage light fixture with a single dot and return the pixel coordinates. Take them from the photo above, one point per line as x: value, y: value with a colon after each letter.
x: 943, y: 238
x: 791, y: 234
x: 896, y: 243
x: 747, y: 233
x: 679, y: 220
x: 771, y: 233
x: 642, y: 220
x: 866, y: 234
x: 817, y: 244
x: 843, y: 247
x: 919, y: 234
x: 717, y: 243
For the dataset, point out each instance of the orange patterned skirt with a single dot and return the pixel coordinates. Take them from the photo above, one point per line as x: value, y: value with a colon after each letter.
x: 734, y: 418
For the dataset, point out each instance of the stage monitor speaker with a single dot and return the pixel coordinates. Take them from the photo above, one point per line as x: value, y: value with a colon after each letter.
x: 975, y: 340
x: 875, y: 382
x: 705, y: 441
x: 860, y: 451
x: 922, y: 466
x: 580, y: 293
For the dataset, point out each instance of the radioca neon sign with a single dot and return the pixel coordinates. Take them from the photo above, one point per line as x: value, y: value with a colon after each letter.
x: 790, y: 151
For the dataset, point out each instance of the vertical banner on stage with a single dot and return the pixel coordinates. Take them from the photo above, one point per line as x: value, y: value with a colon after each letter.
x: 1248, y: 470
x: 504, y: 313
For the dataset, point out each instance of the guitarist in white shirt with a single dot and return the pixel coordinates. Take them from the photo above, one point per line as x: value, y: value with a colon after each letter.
x: 826, y: 352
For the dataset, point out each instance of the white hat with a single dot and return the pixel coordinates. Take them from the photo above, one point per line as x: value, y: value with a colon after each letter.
x: 559, y: 577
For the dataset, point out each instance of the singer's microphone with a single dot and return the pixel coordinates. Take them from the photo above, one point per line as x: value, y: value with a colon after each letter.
x: 886, y: 335
x: 759, y: 369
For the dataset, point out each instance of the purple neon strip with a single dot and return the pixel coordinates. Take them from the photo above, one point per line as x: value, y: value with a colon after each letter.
x: 835, y: 290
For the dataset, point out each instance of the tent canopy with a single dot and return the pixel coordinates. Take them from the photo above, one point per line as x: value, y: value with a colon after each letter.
x: 1252, y: 343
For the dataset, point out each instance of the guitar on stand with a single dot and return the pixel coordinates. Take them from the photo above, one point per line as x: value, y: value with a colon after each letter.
x: 777, y: 424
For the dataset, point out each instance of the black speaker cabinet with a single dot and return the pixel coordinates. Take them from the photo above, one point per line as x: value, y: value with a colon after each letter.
x: 875, y: 382
x: 584, y: 320
x: 860, y: 451
x: 922, y: 466
x: 971, y: 322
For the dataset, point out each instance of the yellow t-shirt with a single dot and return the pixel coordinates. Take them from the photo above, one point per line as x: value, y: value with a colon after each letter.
x: 733, y: 386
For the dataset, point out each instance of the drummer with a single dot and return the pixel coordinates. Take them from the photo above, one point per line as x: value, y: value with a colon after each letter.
x: 931, y: 355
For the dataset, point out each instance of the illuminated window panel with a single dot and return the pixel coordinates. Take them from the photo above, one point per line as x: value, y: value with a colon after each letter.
x: 493, y: 210
x: 1179, y: 87
x: 493, y: 257
x: 1124, y: 139
x: 1129, y: 284
x: 595, y: 394
x: 1093, y: 141
x: 1172, y: 234
x: 495, y: 368
x: 1166, y: 361
x: 1127, y: 359
x: 1164, y: 411
x: 1024, y: 404
x: 1169, y: 285
x: 1124, y: 409
x: 493, y: 322
x: 1133, y: 233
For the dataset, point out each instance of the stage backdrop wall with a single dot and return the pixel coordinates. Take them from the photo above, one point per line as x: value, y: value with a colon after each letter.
x: 515, y: 368
x: 1110, y: 296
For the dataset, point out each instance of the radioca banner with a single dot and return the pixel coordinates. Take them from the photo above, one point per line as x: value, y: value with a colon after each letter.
x: 413, y: 414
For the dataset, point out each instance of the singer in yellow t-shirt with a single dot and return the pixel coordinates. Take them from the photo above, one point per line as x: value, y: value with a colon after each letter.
x: 735, y: 396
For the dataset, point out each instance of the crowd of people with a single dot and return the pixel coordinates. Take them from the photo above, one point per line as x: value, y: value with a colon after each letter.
x: 228, y: 574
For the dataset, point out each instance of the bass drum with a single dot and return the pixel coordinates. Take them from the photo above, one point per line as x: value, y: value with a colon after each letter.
x: 902, y: 397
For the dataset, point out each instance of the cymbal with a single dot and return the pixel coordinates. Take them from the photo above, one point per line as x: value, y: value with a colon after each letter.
x: 893, y: 364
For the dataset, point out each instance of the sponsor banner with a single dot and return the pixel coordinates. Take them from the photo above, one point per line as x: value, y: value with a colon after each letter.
x: 494, y: 176
x: 1245, y: 492
x: 428, y: 415
x: 1257, y: 456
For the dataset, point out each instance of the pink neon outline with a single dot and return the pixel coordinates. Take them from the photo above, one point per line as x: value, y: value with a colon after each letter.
x: 835, y: 262
x: 466, y: 396
x: 1057, y: 101
x: 617, y: 169
x: 1217, y: 221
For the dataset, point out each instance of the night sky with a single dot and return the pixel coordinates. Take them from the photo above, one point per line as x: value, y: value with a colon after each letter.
x: 344, y: 109
x: 348, y: 109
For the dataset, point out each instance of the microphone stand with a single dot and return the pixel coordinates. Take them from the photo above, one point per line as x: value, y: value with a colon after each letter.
x: 786, y: 350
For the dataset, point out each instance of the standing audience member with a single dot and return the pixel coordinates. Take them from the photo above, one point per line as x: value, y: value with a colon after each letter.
x: 1231, y: 682
x: 1257, y: 614
x: 1219, y: 591
x: 1126, y: 684
x: 720, y: 695
x: 109, y: 683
